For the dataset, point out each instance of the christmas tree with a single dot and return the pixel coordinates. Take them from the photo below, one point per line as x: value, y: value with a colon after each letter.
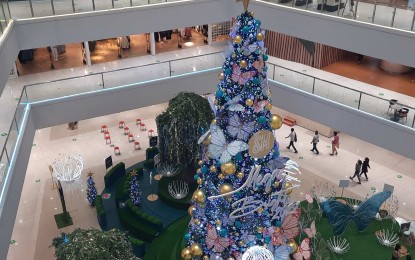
x: 135, y: 193
x: 91, y: 191
x: 242, y: 198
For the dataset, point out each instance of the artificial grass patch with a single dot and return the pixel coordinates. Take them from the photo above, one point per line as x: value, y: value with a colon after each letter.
x: 168, y: 245
x: 63, y: 220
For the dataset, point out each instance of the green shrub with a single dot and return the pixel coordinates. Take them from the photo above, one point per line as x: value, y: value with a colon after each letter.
x: 114, y: 174
x: 135, y: 242
x: 149, y: 164
x: 98, y: 205
x: 151, y: 152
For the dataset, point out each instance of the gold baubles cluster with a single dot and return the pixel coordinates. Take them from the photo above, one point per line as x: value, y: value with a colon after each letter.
x: 275, y: 122
x: 228, y: 168
x: 238, y: 39
x: 199, y: 196
x: 186, y: 253
x: 196, y: 250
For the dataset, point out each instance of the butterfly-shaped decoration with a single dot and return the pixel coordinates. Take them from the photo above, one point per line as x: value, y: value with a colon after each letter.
x: 213, y: 240
x: 237, y: 255
x: 303, y: 251
x: 219, y: 148
x: 247, y: 238
x: 233, y: 104
x: 341, y: 215
x: 203, y: 137
x: 267, y: 232
x: 239, y: 77
x: 259, y: 65
x: 239, y: 129
x: 278, y: 163
x: 309, y: 198
x: 282, y: 252
x: 212, y: 105
x: 259, y: 105
x: 289, y: 228
x: 311, y: 231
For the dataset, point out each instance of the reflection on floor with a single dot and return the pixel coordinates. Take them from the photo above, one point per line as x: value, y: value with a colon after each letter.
x: 106, y: 51
x: 34, y: 225
x: 368, y: 71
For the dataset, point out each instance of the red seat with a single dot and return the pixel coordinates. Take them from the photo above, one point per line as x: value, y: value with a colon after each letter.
x: 138, y: 121
x: 137, y: 145
x: 103, y: 128
x: 150, y: 133
x: 130, y: 138
x: 121, y: 124
x: 143, y: 127
x: 107, y: 139
x: 126, y: 130
x: 117, y: 150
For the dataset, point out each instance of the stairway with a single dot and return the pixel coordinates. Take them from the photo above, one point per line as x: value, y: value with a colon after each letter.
x: 289, y: 121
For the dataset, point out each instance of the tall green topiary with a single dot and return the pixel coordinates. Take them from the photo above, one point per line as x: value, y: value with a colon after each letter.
x: 180, y: 126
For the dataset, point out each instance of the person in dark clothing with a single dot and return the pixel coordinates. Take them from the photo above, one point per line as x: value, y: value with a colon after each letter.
x: 359, y: 58
x: 397, y: 254
x: 358, y: 168
x: 365, y: 167
x: 314, y: 142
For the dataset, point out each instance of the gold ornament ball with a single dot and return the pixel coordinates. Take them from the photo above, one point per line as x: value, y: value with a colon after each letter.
x: 249, y: 102
x: 191, y: 210
x: 196, y: 250
x: 196, y: 221
x: 205, y: 257
x: 216, y: 102
x: 234, y: 55
x: 238, y: 39
x: 214, y: 121
x: 275, y: 122
x: 207, y: 140
x: 240, y: 175
x: 260, y: 37
x: 200, y: 162
x: 221, y: 176
x: 218, y: 222
x: 186, y: 254
x: 199, y: 171
x: 231, y: 258
x: 293, y: 245
x: 199, y: 181
x: 213, y: 168
x: 277, y: 230
x: 260, y: 229
x: 276, y: 184
x: 221, y: 76
x: 288, y: 188
x: 268, y: 106
x: 225, y: 188
x: 260, y: 210
x: 229, y: 199
x: 199, y: 196
x: 243, y: 64
x: 228, y: 168
x: 240, y: 243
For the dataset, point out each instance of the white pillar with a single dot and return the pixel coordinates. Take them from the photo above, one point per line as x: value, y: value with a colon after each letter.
x: 87, y: 54
x: 209, y: 34
x: 152, y: 44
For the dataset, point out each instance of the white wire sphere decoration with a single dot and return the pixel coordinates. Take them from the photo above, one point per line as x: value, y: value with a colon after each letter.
x: 257, y: 253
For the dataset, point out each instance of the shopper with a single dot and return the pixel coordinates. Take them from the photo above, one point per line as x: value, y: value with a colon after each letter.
x: 397, y: 254
x: 335, y: 144
x: 314, y: 142
x: 357, y: 169
x: 365, y: 167
x: 293, y: 138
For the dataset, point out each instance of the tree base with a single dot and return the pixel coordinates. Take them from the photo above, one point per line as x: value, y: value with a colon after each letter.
x: 63, y: 220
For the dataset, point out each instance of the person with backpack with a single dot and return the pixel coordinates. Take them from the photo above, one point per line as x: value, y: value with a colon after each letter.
x: 365, y: 167
x: 293, y: 138
x: 314, y: 142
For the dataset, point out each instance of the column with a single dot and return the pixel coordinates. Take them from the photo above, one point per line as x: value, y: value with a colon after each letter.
x: 87, y: 53
x: 152, y: 44
x: 210, y: 34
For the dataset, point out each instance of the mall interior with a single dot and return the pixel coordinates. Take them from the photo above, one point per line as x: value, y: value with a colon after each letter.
x: 84, y: 87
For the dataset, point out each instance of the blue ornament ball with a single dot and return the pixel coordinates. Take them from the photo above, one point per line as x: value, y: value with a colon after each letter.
x: 238, y: 224
x: 262, y: 119
x: 238, y: 157
x: 187, y: 236
x: 265, y: 57
x: 276, y: 154
x: 223, y: 232
x: 278, y: 223
x: 258, y: 23
x: 219, y: 94
x: 196, y: 177
x: 204, y: 169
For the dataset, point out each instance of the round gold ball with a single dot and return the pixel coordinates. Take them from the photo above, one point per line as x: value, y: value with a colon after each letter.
x: 249, y: 102
x: 277, y: 230
x: 276, y: 184
x: 216, y: 102
x: 199, y: 171
x: 196, y: 221
x: 196, y: 250
x: 260, y: 229
x: 288, y: 188
x: 275, y: 122
x: 240, y: 175
x: 243, y: 64
x: 238, y: 39
x: 293, y: 245
x: 199, y: 196
x: 268, y: 106
x: 233, y: 55
x: 213, y: 168
x: 207, y: 140
x: 240, y: 243
x: 200, y: 162
x: 231, y: 258
x: 221, y: 176
x: 186, y: 254
x: 260, y: 210
x: 199, y: 181
x: 221, y: 76
x: 205, y: 257
x: 260, y: 37
x: 218, y: 222
x: 228, y: 168
x: 191, y: 210
x: 214, y: 121
x: 225, y: 188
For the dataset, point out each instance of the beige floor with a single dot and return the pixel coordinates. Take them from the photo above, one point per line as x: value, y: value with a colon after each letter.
x: 34, y: 227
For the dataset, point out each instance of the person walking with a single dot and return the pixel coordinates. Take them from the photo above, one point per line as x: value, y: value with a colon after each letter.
x: 293, y: 138
x: 314, y: 142
x: 335, y: 144
x: 358, y: 168
x: 365, y: 167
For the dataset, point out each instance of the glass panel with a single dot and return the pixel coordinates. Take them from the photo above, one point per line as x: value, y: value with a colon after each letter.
x: 63, y: 6
x: 2, y: 19
x: 335, y: 92
x: 3, y: 170
x: 383, y: 15
x: 199, y: 63
x: 103, y: 4
x: 271, y: 68
x: 139, y: 2
x: 135, y: 75
x: 20, y: 9
x: 157, y: 1
x: 20, y: 110
x: 321, y: 88
x: 351, y: 98
x: 122, y: 3
x: 364, y: 10
x: 83, y: 6
x: 403, y: 18
x: 306, y: 83
x: 280, y: 74
x: 63, y: 88
x: 11, y: 140
x: 376, y: 106
x: 42, y: 8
